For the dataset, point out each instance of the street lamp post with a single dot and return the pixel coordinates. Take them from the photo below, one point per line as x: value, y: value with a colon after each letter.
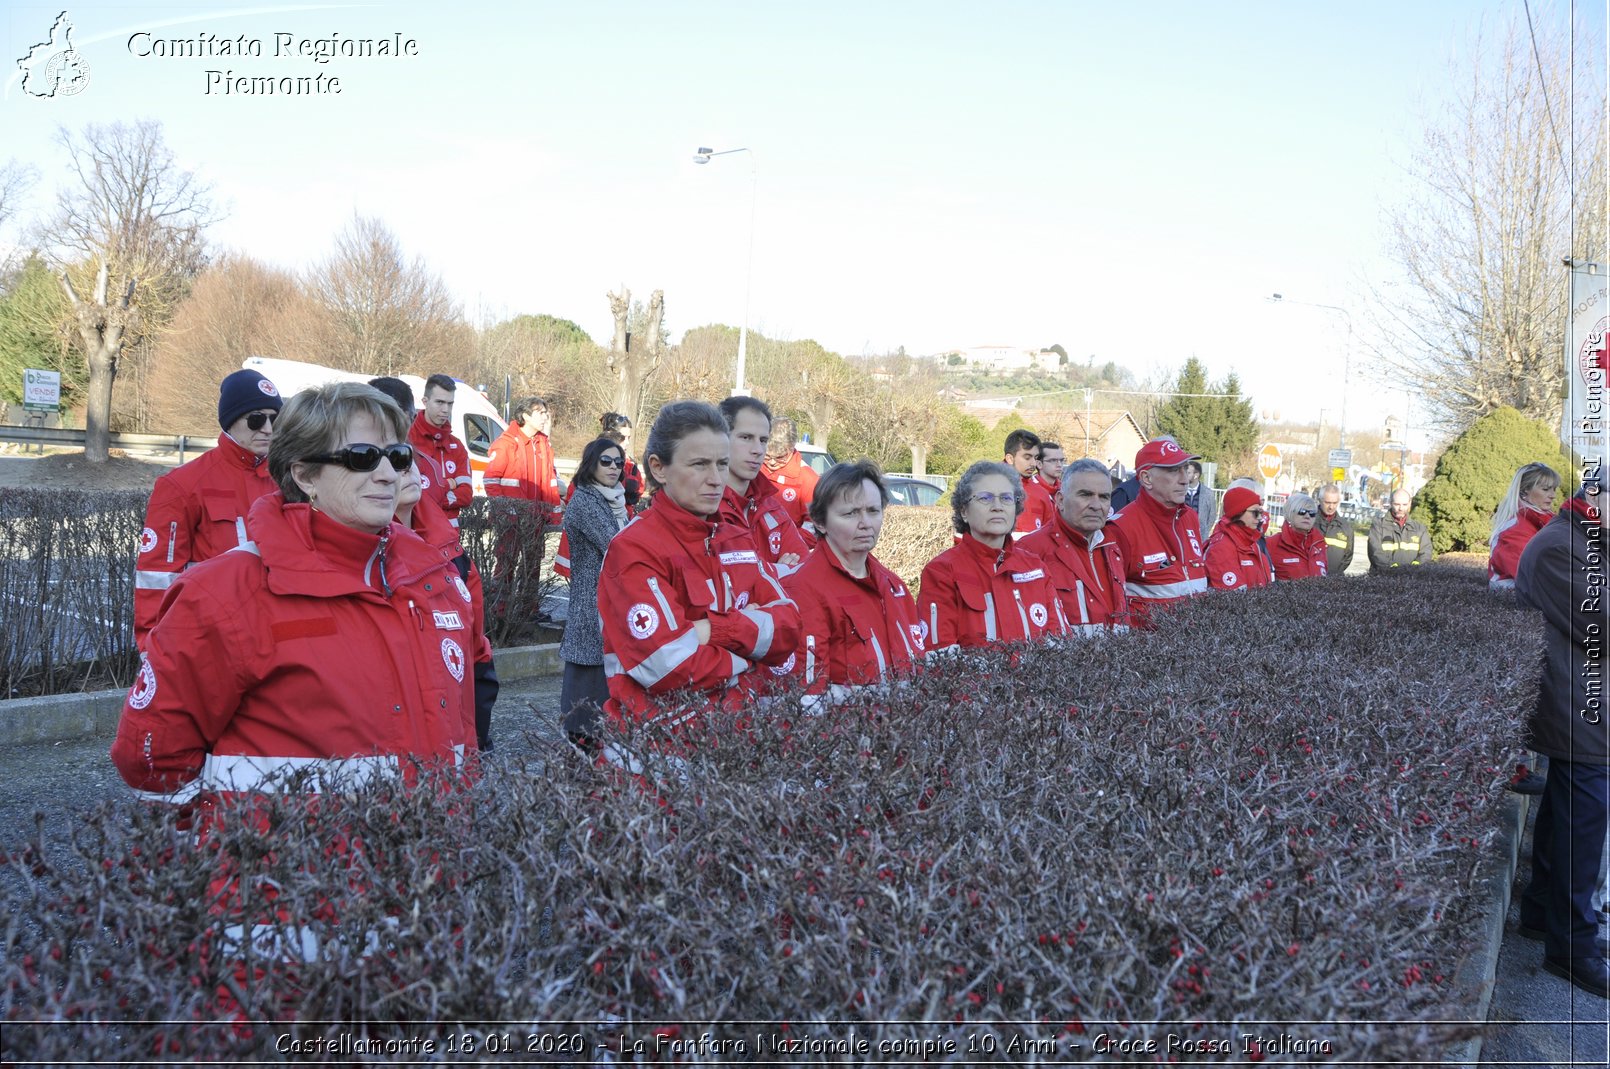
x: 1347, y: 355
x: 704, y: 155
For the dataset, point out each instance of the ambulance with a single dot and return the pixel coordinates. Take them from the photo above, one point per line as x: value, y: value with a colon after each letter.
x: 475, y: 419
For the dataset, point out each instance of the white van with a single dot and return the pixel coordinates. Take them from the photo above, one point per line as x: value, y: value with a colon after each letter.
x: 475, y: 419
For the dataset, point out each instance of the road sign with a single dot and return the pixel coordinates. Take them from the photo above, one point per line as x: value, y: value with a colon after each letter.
x: 1341, y: 458
x: 1269, y: 461
x: 41, y: 390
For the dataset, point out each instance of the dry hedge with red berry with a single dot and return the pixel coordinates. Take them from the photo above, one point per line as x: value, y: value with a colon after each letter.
x: 1276, y: 810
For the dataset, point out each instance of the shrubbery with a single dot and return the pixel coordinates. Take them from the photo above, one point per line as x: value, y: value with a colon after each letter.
x: 1474, y: 473
x: 1249, y: 817
x: 67, y: 583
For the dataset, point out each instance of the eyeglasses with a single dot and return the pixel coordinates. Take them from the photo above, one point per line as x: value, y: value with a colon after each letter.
x: 991, y: 499
x: 1303, y: 512
x: 258, y: 420
x: 366, y: 457
x: 611, y: 462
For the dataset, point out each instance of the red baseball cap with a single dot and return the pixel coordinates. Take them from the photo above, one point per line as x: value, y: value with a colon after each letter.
x: 1161, y: 453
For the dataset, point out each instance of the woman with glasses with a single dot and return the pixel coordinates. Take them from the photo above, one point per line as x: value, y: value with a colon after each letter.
x: 1298, y: 550
x: 198, y: 510
x: 861, y: 623
x: 984, y: 590
x: 595, y: 515
x: 618, y: 429
x: 685, y: 601
x: 332, y: 648
x: 1526, y: 509
x: 1235, y: 556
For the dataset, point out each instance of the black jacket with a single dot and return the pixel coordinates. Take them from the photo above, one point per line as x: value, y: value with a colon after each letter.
x: 1338, y: 531
x: 1562, y: 574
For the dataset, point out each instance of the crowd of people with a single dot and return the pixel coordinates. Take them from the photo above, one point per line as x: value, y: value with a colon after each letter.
x: 315, y: 553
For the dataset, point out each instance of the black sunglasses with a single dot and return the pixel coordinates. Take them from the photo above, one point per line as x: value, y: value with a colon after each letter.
x: 611, y: 462
x: 1302, y: 512
x: 366, y: 457
x: 258, y: 420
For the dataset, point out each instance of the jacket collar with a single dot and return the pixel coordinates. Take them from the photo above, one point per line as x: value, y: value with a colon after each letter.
x: 874, y: 568
x: 309, y: 554
x: 424, y: 428
x: 238, y: 454
x: 1076, y: 538
x: 687, y: 527
x: 986, y: 556
x: 1157, y: 510
x: 1242, y: 536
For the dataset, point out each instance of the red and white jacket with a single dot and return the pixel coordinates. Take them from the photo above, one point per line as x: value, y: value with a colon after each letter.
x: 1506, y: 555
x: 1235, y: 560
x: 796, y: 486
x: 197, y: 511
x: 1162, y: 550
x: 760, y: 511
x: 1088, y: 574
x: 1298, y: 554
x: 858, y: 632
x: 316, y: 649
x: 520, y: 465
x: 975, y: 595
x: 666, y: 570
x: 1038, y: 506
x: 445, y: 465
x: 432, y: 526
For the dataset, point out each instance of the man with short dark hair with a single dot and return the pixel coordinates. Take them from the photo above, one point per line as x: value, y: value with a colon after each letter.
x: 1081, y: 558
x: 520, y: 464
x: 1052, y: 461
x: 750, y: 500
x: 443, y: 461
x: 1158, y: 536
x: 198, y: 510
x: 1397, y: 543
x: 1022, y: 454
x: 1337, y: 529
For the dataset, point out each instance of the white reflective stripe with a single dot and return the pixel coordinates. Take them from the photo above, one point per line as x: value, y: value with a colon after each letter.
x: 461, y: 480
x: 453, y: 521
x: 240, y: 531
x: 250, y: 772
x: 810, y: 659
x: 877, y: 652
x: 178, y: 796
x: 458, y: 754
x: 561, y: 561
x: 154, y: 580
x: 911, y: 654
x: 933, y: 622
x: 665, y: 660
x: 726, y: 583
x: 763, y: 624
x: 1084, y: 609
x: 1022, y: 616
x: 1496, y: 583
x: 715, y: 605
x: 628, y: 761
x: 248, y: 547
x: 989, y: 617
x: 1183, y: 589
x: 503, y: 482
x: 297, y: 942
x: 787, y: 569
x: 782, y: 595
x: 739, y: 667
x: 665, y: 606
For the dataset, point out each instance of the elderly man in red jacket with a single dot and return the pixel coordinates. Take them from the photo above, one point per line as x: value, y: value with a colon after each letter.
x: 1158, y: 534
x: 1081, y: 557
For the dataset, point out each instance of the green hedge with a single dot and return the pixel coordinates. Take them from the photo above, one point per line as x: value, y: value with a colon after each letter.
x: 1474, y: 474
x: 1244, y: 818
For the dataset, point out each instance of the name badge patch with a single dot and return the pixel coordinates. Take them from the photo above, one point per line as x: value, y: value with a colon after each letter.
x: 740, y: 556
x: 1028, y: 577
x: 448, y: 621
x: 1154, y: 558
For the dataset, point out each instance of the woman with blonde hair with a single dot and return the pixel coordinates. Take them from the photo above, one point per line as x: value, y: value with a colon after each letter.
x: 1523, y: 512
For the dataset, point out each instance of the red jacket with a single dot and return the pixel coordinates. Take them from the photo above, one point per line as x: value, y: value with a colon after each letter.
x: 1088, y: 575
x: 1162, y: 551
x: 1235, y: 560
x: 1298, y: 554
x: 667, y: 569
x: 317, y: 648
x: 432, y: 526
x: 796, y: 486
x: 973, y: 595
x: 1506, y: 555
x: 857, y: 631
x: 521, y: 465
x: 1038, y: 507
x: 197, y: 511
x: 445, y: 465
x: 761, y: 513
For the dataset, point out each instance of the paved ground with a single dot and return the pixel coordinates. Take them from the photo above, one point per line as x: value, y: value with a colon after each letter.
x: 1539, y: 1019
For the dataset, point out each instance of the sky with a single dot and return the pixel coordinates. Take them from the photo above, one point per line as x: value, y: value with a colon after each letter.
x: 1130, y: 181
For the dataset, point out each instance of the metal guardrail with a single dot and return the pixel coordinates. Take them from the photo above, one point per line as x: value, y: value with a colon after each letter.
x: 182, y: 444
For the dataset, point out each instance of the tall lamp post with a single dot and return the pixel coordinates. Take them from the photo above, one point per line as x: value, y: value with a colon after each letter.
x: 705, y: 155
x: 1347, y: 355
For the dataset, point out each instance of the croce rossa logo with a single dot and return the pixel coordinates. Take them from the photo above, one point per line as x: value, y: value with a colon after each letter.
x: 53, y: 67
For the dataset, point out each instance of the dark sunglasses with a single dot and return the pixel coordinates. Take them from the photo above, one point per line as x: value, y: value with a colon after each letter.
x: 1303, y: 512
x: 366, y: 457
x: 611, y: 462
x: 258, y: 420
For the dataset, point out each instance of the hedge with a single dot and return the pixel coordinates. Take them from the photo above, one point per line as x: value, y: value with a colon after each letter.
x: 1276, y: 810
x: 67, y: 583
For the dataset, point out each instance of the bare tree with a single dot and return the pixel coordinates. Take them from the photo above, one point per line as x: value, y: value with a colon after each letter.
x: 15, y: 181
x: 633, y: 361
x: 1476, y: 318
x: 383, y: 314
x: 127, y: 231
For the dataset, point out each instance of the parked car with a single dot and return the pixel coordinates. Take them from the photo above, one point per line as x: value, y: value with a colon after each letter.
x: 816, y: 457
x: 906, y: 490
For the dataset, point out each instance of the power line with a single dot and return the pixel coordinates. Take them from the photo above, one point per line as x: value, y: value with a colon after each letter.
x: 1542, y: 80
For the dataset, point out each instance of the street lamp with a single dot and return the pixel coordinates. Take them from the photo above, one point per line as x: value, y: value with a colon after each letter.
x: 704, y: 155
x: 1347, y: 355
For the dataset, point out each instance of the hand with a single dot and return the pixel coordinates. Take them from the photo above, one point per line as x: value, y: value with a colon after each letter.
x: 702, y: 629
x: 788, y: 560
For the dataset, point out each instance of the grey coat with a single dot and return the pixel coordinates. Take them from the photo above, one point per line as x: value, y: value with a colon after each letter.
x: 1562, y: 574
x: 590, y: 523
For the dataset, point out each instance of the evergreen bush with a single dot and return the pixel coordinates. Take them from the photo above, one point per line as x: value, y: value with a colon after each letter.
x: 1474, y: 473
